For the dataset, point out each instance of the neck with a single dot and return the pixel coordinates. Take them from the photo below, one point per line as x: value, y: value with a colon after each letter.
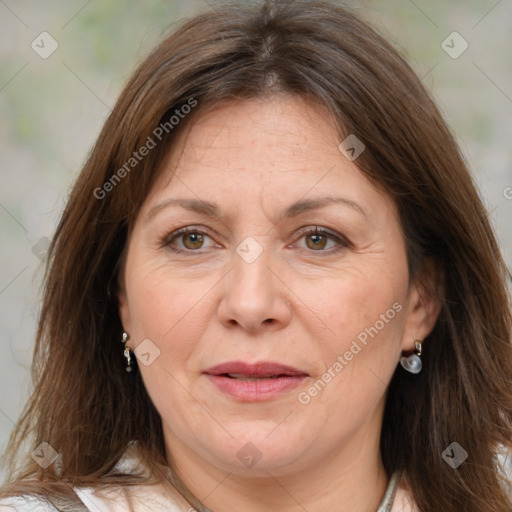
x: 349, y: 480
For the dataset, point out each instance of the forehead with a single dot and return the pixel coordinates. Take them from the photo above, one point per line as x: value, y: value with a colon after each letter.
x: 274, y: 130
x: 268, y: 152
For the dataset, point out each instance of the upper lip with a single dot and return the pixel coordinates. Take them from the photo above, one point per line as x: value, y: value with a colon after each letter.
x: 260, y: 369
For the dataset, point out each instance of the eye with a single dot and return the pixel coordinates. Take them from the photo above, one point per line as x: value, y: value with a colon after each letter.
x: 190, y: 239
x: 317, y: 239
x: 186, y: 240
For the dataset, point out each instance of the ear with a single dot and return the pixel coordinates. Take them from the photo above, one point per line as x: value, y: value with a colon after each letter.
x: 423, y: 305
x: 124, y: 312
x: 122, y: 299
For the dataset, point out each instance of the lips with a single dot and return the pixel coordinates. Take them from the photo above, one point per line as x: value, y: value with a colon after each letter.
x: 255, y: 382
x: 262, y: 370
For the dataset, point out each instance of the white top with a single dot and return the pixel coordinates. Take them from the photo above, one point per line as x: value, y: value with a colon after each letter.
x: 156, y: 498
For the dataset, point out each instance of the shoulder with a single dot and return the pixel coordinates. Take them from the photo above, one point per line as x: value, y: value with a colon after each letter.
x: 25, y: 504
x: 140, y: 498
x: 154, y: 497
x: 143, y: 498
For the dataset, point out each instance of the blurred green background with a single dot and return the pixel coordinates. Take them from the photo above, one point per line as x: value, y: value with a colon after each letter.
x: 52, y: 109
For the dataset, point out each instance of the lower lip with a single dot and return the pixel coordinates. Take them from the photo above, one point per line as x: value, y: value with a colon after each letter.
x: 256, y: 390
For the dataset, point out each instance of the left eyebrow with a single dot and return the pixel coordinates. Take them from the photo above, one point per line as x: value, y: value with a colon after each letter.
x: 294, y: 210
x: 312, y: 204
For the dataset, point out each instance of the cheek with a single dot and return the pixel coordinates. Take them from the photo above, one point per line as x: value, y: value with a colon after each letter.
x: 164, y: 308
x: 361, y: 318
x: 356, y: 300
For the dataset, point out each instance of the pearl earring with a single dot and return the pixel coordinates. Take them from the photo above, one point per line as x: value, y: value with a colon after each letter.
x: 127, y: 353
x: 413, y: 363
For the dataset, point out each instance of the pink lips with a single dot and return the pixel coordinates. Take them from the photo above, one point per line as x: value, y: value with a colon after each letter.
x: 255, y: 382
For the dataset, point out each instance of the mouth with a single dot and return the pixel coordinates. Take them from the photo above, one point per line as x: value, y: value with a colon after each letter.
x: 250, y: 378
x: 261, y: 370
x: 255, y: 382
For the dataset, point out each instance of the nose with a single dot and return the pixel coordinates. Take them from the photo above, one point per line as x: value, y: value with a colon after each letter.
x: 255, y: 297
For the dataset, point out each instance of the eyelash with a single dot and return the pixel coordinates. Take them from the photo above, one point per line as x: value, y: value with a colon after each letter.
x: 341, y: 241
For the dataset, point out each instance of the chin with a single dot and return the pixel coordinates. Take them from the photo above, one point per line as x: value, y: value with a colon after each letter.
x: 256, y: 451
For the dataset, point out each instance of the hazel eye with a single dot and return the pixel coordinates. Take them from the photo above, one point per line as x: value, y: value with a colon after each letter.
x: 196, y: 240
x: 186, y: 240
x: 317, y: 239
x: 192, y: 240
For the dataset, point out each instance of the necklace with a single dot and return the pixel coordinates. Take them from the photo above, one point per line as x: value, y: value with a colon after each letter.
x: 389, y: 496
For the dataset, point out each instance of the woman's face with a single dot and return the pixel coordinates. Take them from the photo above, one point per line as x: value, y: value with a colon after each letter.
x: 309, y: 326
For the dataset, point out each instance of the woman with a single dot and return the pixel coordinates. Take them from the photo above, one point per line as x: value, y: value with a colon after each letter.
x: 277, y: 234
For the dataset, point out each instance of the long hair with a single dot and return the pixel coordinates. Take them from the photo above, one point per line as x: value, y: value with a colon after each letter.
x: 86, y: 406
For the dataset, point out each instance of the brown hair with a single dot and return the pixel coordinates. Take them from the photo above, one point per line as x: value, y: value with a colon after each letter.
x: 89, y: 410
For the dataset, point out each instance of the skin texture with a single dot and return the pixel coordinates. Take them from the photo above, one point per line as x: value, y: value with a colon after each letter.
x: 302, y: 303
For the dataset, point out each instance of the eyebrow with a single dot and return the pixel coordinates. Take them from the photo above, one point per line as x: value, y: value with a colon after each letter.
x: 294, y: 210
